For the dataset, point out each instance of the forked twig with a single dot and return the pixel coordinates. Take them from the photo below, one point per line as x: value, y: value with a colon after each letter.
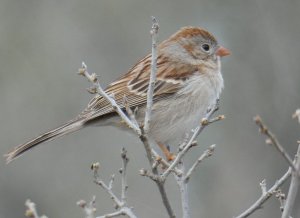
x: 120, y: 204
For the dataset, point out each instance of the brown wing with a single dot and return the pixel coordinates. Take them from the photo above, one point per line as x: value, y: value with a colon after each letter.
x: 134, y: 86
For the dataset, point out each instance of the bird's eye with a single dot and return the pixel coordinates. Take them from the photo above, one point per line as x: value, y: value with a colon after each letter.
x: 205, y: 47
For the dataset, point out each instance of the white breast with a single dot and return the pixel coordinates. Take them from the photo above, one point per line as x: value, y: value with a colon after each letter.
x: 175, y: 117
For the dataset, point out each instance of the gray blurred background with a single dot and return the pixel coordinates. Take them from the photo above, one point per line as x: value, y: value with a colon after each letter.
x: 42, y: 44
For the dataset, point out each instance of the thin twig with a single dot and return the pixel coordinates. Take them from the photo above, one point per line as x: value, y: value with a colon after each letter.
x: 265, y: 195
x: 147, y: 120
x: 207, y: 153
x: 155, y: 176
x: 182, y: 180
x: 123, y: 174
x: 281, y: 198
x: 145, y: 127
x: 183, y: 189
x: 297, y: 115
x: 31, y: 211
x: 293, y: 190
x: 165, y: 199
x: 153, y: 32
x: 107, y: 188
x: 120, y: 204
x: 160, y: 182
x: 273, y: 140
x: 147, y: 146
x: 197, y: 131
x: 147, y: 173
x: 263, y: 186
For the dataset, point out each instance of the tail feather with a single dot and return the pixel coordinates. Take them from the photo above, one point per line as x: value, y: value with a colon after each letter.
x: 48, y: 136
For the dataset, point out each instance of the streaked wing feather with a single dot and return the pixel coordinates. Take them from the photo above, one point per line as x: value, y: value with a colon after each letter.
x: 134, y: 86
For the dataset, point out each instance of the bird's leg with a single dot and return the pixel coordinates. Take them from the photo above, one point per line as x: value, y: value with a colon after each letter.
x: 169, y: 155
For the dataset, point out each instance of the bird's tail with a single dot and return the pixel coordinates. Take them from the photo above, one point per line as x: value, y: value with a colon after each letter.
x: 67, y: 128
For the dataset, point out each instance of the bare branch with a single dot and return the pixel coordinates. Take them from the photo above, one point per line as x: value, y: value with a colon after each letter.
x: 147, y: 173
x: 111, y: 182
x: 183, y: 179
x: 293, y: 190
x: 153, y: 32
x: 207, y: 153
x: 120, y: 204
x: 273, y: 140
x: 183, y: 189
x: 98, y: 89
x: 281, y: 198
x: 263, y: 186
x: 147, y: 146
x: 158, y: 181
x: 286, y: 204
x: 165, y: 199
x: 205, y: 121
x: 123, y: 174
x: 145, y: 128
x: 265, y: 196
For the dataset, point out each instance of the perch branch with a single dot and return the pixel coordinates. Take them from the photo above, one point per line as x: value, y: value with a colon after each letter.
x: 144, y: 129
x: 183, y: 189
x: 153, y: 32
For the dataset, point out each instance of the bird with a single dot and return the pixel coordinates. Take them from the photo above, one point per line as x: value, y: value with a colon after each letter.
x: 188, y: 82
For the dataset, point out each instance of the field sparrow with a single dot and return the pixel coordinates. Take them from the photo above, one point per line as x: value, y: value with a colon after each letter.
x: 189, y: 81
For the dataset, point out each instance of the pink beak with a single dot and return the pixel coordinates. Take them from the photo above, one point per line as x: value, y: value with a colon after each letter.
x: 221, y: 51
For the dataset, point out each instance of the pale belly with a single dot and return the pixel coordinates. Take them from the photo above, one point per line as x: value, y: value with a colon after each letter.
x: 173, y: 118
